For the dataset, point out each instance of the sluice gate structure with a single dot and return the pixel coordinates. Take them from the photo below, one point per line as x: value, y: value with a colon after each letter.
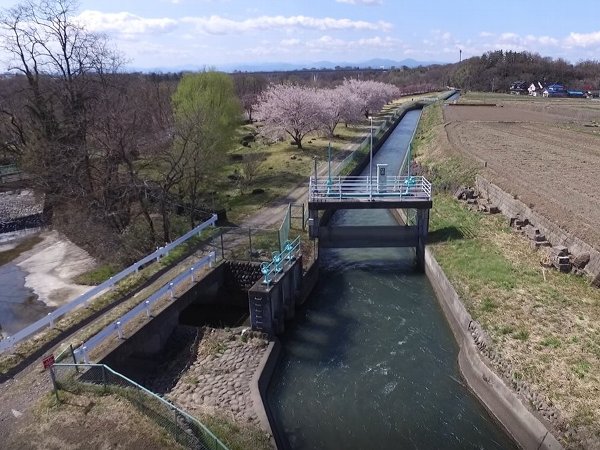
x: 365, y: 192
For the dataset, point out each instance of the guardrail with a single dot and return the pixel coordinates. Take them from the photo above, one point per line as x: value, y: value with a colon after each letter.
x: 368, y: 188
x: 81, y: 353
x: 187, y: 431
x: 290, y: 251
x: 49, y: 320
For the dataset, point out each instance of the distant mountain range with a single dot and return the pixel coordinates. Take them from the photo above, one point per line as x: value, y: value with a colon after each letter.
x: 375, y: 63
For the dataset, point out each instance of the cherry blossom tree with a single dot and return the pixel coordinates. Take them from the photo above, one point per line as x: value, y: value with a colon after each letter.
x: 373, y: 94
x: 339, y: 105
x: 289, y: 110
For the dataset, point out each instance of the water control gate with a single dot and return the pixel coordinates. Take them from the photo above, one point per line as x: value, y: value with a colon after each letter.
x: 364, y: 192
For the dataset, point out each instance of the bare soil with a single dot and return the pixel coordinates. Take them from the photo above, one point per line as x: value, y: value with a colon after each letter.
x: 549, y: 157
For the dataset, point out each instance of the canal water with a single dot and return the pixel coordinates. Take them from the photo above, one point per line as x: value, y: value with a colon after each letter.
x: 369, y: 362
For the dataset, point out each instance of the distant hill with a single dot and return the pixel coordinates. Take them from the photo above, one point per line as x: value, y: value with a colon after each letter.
x: 375, y: 63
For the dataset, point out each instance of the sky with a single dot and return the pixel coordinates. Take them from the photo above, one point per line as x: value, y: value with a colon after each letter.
x: 210, y: 33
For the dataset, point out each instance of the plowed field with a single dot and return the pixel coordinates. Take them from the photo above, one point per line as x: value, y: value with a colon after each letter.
x: 549, y: 158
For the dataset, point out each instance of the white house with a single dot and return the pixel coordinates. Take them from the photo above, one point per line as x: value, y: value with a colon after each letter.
x: 536, y: 89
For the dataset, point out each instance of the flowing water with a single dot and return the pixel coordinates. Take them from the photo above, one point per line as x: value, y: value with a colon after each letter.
x: 369, y: 362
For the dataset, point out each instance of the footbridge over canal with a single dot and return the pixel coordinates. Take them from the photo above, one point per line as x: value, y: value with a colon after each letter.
x: 365, y: 192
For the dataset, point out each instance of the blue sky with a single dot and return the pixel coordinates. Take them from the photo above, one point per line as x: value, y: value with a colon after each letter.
x: 172, y: 33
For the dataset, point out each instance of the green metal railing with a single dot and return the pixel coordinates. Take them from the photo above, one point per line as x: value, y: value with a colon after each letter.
x: 185, y: 429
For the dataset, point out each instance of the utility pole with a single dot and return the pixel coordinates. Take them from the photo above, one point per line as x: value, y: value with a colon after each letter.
x: 459, y: 55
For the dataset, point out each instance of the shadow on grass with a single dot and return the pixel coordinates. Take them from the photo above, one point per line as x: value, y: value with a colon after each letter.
x: 450, y: 233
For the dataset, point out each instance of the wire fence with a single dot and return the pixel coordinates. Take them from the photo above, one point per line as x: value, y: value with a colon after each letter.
x: 243, y: 244
x: 187, y: 431
x: 48, y: 321
x: 284, y: 229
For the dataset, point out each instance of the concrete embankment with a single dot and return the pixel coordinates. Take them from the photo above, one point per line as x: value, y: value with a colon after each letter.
x: 502, y: 403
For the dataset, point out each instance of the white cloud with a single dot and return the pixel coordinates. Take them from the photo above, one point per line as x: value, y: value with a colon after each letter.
x: 328, y: 43
x: 130, y: 24
x: 290, y: 42
x: 124, y: 22
x: 361, y: 2
x: 221, y: 25
x: 583, y: 39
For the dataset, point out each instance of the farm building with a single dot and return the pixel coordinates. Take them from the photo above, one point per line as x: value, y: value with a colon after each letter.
x: 519, y: 88
x: 536, y: 89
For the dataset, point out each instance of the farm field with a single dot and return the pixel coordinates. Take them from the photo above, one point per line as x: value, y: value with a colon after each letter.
x: 547, y: 154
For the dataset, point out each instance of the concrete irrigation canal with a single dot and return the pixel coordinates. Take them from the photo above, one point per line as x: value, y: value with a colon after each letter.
x: 370, y: 361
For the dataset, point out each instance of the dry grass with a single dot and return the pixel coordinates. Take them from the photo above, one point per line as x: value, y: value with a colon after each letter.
x: 81, y: 422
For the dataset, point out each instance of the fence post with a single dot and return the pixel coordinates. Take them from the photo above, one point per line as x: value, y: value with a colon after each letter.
x: 119, y: 331
x: 250, y: 243
x: 85, y: 355
x: 74, y: 359
x: 222, y: 246
x: 104, y: 377
x: 147, y: 304
x: 51, y: 320
x: 171, y: 290
x: 192, y: 271
x: 303, y: 223
x: 54, y: 385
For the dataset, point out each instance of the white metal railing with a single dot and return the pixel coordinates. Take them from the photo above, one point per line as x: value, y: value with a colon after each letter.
x: 10, y: 341
x: 81, y: 353
x: 369, y: 188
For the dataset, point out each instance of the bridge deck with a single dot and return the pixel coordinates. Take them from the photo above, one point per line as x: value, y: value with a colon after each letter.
x: 369, y: 192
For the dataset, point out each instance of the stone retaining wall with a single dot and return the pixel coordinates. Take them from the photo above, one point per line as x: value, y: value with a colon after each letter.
x: 511, y: 207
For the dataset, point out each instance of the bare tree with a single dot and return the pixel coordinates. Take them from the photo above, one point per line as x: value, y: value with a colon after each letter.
x: 248, y: 88
x: 62, y: 64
